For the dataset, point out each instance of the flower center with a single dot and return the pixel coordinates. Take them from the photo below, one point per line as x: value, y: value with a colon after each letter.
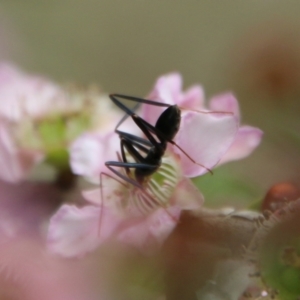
x: 158, y: 188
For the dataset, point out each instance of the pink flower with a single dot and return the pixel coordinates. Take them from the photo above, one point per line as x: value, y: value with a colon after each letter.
x: 22, y: 97
x: 75, y: 231
x: 209, y: 138
x: 247, y: 137
x: 15, y: 163
x: 122, y: 215
x: 90, y: 151
x: 144, y: 218
x: 39, y: 119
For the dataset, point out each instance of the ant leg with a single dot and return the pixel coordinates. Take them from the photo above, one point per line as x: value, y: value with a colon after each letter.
x: 130, y: 143
x: 130, y: 112
x: 150, y: 197
x: 111, y: 164
x: 142, y: 124
x: 101, y: 206
x: 130, y: 147
x: 113, y: 97
x: 148, y: 128
x: 126, y: 116
x: 133, y: 138
x: 122, y: 106
x: 148, y: 200
x: 102, y: 198
x: 190, y: 158
x: 123, y: 158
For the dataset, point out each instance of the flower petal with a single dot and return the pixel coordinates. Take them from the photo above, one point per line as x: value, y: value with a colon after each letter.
x: 89, y: 153
x: 167, y: 89
x: 225, y: 102
x: 193, y: 98
x: 28, y: 272
x: 162, y: 222
x: 22, y: 95
x: 187, y: 196
x: 10, y: 168
x: 148, y: 234
x: 93, y: 196
x: 15, y: 163
x: 205, y: 138
x: 73, y: 231
x: 113, y: 193
x: 247, y: 139
x: 86, y: 154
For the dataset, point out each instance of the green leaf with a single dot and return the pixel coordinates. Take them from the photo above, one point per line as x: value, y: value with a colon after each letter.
x: 225, y: 188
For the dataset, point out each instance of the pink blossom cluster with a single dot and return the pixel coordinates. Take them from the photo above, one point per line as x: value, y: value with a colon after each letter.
x: 209, y: 133
x: 22, y: 97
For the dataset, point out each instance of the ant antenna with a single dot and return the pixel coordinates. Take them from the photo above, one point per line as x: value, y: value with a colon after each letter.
x: 207, y: 112
x: 190, y: 158
x: 101, y: 194
x: 101, y: 205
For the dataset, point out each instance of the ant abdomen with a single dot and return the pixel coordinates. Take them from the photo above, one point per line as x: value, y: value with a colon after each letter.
x: 168, y: 123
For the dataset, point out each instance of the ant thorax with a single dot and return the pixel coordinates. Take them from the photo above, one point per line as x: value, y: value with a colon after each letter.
x: 157, y: 188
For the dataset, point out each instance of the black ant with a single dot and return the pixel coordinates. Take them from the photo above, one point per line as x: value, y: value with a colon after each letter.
x: 165, y: 129
x: 153, y: 146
